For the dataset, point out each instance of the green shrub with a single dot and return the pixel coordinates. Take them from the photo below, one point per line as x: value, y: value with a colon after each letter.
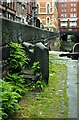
x: 9, y: 99
x: 36, y: 67
x: 18, y: 81
x: 13, y: 85
x: 38, y: 86
x: 15, y: 78
x: 18, y: 58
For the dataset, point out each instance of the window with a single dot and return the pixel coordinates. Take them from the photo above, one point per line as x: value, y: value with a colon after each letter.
x: 48, y: 8
x: 10, y: 16
x: 73, y: 9
x: 0, y: 12
x: 73, y: 0
x: 71, y: 4
x: 73, y: 24
x: 64, y: 15
x: 48, y: 21
x: 53, y: 18
x: 63, y: 4
x: 63, y: 24
x: 74, y: 4
x: 63, y: 10
x: 8, y: 1
x: 73, y: 15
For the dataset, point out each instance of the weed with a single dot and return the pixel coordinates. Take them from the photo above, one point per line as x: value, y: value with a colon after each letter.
x: 9, y: 99
x: 17, y: 59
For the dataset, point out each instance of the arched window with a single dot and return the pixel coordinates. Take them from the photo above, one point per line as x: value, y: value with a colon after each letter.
x: 48, y: 21
x: 48, y: 8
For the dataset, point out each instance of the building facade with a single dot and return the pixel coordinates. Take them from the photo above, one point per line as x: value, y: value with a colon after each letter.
x: 47, y: 14
x: 8, y: 9
x: 19, y: 10
x: 31, y: 10
x: 68, y: 15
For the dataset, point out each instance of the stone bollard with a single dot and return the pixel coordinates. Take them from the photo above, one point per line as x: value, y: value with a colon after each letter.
x: 41, y: 54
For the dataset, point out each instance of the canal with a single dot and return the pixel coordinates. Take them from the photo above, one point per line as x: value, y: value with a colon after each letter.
x: 72, y: 84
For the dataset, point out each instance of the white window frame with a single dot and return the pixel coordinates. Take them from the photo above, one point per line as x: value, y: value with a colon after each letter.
x: 8, y: 1
x: 64, y: 15
x: 74, y: 9
x: 63, y: 10
x: 49, y: 7
x: 63, y: 5
x: 64, y: 24
x: 74, y: 5
x: 73, y: 24
x: 73, y: 15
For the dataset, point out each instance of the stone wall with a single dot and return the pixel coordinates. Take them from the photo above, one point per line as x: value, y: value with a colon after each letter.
x: 14, y: 31
x: 17, y: 32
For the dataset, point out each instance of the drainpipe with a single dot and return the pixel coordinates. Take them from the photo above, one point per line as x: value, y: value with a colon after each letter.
x: 32, y: 16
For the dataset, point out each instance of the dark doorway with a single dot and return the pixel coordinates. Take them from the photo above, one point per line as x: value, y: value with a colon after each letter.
x: 37, y: 23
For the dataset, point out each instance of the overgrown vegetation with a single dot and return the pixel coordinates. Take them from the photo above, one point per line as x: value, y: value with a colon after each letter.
x: 36, y: 67
x: 18, y: 81
x: 50, y: 103
x: 9, y: 99
x: 13, y: 85
x: 18, y: 58
x: 38, y: 101
x: 39, y: 84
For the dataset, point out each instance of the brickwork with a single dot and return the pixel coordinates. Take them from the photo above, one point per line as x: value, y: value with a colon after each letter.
x: 48, y: 14
x: 68, y: 15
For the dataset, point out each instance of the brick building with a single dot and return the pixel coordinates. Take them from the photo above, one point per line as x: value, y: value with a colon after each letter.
x: 31, y: 8
x: 19, y: 10
x: 47, y: 14
x: 8, y: 9
x: 68, y: 15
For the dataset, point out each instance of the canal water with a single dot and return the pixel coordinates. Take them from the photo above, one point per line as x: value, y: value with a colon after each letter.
x: 72, y: 84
